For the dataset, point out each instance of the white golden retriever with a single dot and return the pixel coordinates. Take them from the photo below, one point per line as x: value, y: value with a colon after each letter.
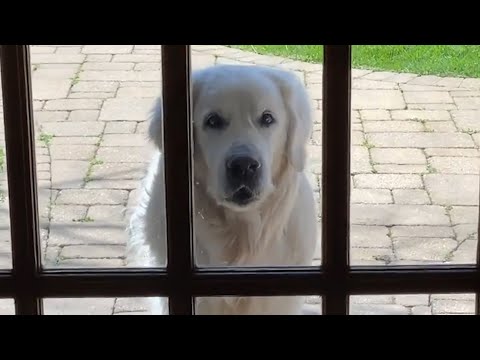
x: 253, y: 203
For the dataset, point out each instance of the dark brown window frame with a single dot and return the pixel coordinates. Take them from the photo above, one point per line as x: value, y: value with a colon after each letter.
x: 181, y: 281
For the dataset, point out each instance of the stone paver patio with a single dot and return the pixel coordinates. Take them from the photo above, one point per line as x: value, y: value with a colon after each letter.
x: 415, y: 165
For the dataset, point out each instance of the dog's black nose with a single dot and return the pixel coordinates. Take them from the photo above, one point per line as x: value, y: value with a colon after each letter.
x: 242, y: 168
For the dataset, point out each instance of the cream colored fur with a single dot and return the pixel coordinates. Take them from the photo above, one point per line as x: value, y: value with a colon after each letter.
x: 277, y: 230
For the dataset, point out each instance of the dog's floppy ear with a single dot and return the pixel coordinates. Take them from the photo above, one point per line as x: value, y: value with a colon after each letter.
x: 297, y: 103
x: 155, y: 128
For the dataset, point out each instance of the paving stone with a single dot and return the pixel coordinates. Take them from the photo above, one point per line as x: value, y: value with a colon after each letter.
x: 371, y: 299
x: 73, y: 104
x: 48, y: 84
x: 422, y: 231
x: 92, y: 95
x: 112, y: 213
x: 155, y: 84
x: 107, y: 49
x: 360, y: 160
x: 455, y: 165
x: 432, y: 106
x: 410, y: 196
x: 452, y: 152
x: 421, y: 310
x: 467, y: 119
x: 388, y: 215
x: 466, y: 231
x: 68, y: 213
x: 120, y: 127
x: 92, y: 251
x: 100, y: 306
x: 96, y: 233
x: 397, y: 156
x: 38, y: 105
x: 379, y: 75
x: 136, y: 58
x: 425, y: 80
x: 131, y: 305
x: 466, y: 253
x: 135, y: 313
x: 84, y: 116
x: 112, y: 184
x: 470, y: 83
x: 108, y: 66
x: 453, y: 296
x: 420, y: 140
x: 367, y: 84
x: 401, y: 169
x: 357, y: 73
x: 90, y: 263
x: 412, y: 300
x: 430, y: 115
x: 371, y: 196
x: 441, y: 126
x: 453, y: 307
x: 139, y: 92
x: 57, y: 59
x: 118, y: 171
x: 450, y: 82
x: 72, y: 152
x: 401, y: 78
x: 393, y: 126
x: 87, y: 128
x: 135, y: 109
x: 468, y: 102
x: 92, y: 197
x: 75, y: 140
x: 465, y: 93
x: 377, y: 99
x: 95, y: 86
x: 387, y: 181
x: 435, y: 249
x: 369, y: 236
x: 120, y: 75
x: 377, y: 309
x: 7, y: 307
x: 148, y: 66
x: 69, y: 50
x: 42, y: 49
x: 124, y: 140
x: 51, y: 116
x: 443, y: 189
x: 375, y: 115
x: 68, y: 174
x: 315, y: 77
x: 464, y: 214
x: 357, y: 255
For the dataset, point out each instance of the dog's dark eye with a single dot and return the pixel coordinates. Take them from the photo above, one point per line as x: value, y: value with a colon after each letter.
x: 266, y: 119
x: 215, y: 121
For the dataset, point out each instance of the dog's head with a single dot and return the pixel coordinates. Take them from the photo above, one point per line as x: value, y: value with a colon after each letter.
x: 249, y: 122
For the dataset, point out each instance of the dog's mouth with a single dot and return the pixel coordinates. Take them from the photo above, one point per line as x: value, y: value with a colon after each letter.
x: 242, y: 196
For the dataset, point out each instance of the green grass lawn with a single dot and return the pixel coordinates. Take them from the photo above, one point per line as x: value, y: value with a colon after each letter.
x: 443, y: 60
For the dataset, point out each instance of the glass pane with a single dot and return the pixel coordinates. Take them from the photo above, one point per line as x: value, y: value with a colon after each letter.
x: 266, y: 305
x: 413, y: 304
x: 251, y: 129
x: 100, y: 306
x: 92, y: 106
x: 5, y: 240
x: 7, y: 307
x: 415, y: 154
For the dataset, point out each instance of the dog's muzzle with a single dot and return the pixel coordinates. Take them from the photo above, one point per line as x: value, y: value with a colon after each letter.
x: 243, y: 173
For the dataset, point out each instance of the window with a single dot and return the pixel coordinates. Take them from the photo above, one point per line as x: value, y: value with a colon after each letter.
x: 335, y: 280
